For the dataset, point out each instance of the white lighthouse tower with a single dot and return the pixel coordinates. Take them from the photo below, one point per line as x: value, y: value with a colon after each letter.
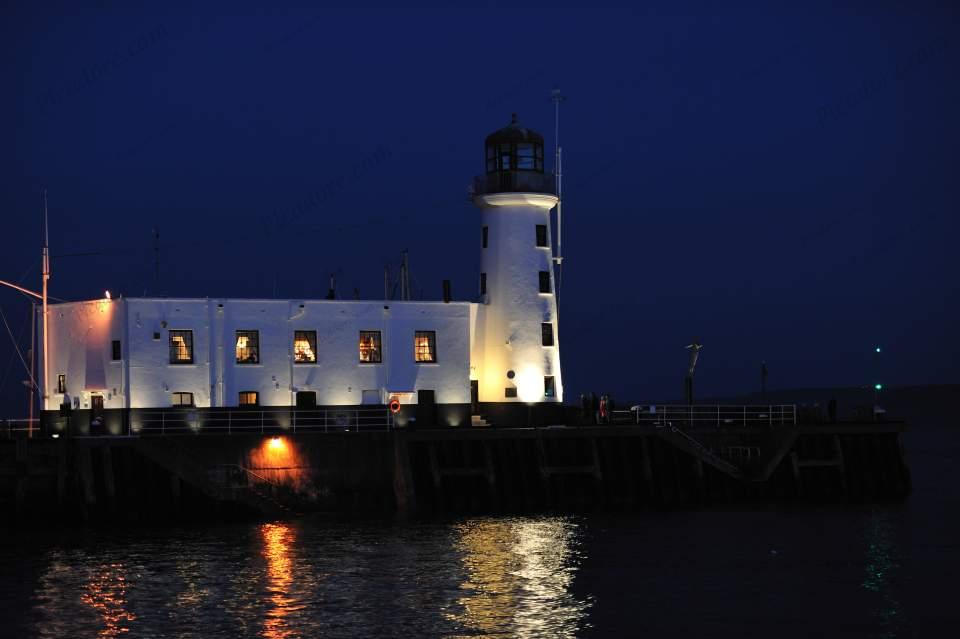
x: 516, y: 329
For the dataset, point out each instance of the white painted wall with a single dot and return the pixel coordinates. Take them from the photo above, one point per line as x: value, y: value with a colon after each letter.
x: 508, y: 323
x: 80, y: 348
x: 81, y: 334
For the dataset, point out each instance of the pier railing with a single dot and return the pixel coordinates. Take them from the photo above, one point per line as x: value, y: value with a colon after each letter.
x: 16, y: 428
x: 708, y: 415
x: 264, y: 421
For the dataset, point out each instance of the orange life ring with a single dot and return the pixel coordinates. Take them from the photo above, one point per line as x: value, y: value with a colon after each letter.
x: 394, y: 405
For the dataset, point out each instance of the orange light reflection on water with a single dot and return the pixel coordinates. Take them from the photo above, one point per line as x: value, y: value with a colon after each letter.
x: 277, y: 541
x: 105, y: 592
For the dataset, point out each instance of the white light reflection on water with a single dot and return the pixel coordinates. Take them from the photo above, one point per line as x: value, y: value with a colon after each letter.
x: 518, y: 577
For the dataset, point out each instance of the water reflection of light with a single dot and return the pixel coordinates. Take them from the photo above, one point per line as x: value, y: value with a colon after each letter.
x: 518, y: 577
x: 277, y: 541
x: 105, y: 592
x: 880, y: 566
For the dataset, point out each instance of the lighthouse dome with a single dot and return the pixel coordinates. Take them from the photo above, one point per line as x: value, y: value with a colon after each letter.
x: 514, y: 148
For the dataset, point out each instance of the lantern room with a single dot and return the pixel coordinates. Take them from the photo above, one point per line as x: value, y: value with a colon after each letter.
x: 513, y: 159
x: 514, y: 148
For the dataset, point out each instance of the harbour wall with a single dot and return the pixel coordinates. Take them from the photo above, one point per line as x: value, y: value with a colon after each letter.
x: 441, y: 471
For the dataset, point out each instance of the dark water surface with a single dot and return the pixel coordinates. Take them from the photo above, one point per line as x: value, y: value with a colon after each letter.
x: 890, y: 570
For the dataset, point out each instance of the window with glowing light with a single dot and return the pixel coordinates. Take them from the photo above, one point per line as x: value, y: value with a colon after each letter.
x: 370, y: 352
x: 249, y: 398
x: 304, y: 347
x: 549, y: 386
x: 544, y: 281
x: 181, y: 399
x: 181, y: 347
x: 248, y: 347
x: 546, y: 334
x: 61, y: 383
x: 542, y: 235
x: 425, y: 347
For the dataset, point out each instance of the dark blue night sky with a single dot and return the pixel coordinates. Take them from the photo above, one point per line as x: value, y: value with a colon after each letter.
x: 780, y: 183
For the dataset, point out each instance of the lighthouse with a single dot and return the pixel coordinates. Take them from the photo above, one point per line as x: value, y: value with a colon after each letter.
x: 516, y: 322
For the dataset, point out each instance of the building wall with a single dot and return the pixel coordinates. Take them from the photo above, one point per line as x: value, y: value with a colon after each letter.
x: 82, y: 333
x: 510, y: 319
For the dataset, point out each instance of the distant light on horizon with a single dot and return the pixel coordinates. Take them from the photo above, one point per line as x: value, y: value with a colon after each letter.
x: 106, y: 294
x: 878, y: 386
x: 878, y: 349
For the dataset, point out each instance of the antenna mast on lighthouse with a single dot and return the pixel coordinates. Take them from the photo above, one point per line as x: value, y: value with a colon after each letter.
x: 46, y: 278
x: 558, y: 176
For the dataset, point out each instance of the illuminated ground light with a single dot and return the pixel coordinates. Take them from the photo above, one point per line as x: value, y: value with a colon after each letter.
x: 277, y: 459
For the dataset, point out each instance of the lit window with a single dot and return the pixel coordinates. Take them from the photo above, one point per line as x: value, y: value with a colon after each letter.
x: 544, y: 281
x: 370, y: 352
x: 483, y: 283
x: 485, y: 233
x: 248, y: 347
x: 249, y: 398
x: 510, y: 391
x: 425, y: 346
x: 546, y: 334
x: 61, y: 383
x: 115, y: 350
x: 182, y: 399
x: 542, y: 235
x: 549, y: 386
x: 181, y: 347
x: 305, y: 347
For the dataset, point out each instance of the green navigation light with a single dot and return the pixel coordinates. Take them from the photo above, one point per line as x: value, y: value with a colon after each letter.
x: 878, y: 386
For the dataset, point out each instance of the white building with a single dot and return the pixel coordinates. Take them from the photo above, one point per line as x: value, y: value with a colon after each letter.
x: 495, y: 357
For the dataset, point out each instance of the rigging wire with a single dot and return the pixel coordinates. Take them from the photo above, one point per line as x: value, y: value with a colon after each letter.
x: 17, y: 347
x: 6, y: 373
